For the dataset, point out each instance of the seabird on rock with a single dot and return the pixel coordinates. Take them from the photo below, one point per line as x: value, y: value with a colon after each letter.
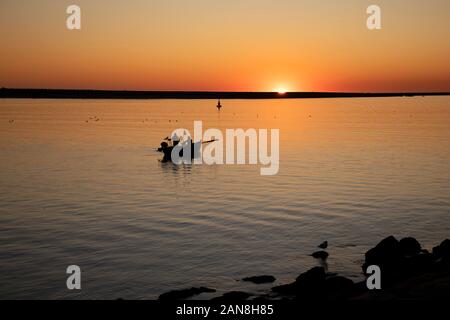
x: 323, y: 245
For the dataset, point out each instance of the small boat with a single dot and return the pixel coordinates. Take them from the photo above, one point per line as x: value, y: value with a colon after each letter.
x: 167, y: 149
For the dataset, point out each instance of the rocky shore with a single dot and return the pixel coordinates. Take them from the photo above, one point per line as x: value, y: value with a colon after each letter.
x: 408, y: 272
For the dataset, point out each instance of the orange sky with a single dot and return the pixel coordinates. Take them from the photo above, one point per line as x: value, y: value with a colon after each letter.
x: 233, y: 45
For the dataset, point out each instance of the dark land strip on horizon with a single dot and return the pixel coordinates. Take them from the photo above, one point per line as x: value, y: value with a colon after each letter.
x: 117, y: 94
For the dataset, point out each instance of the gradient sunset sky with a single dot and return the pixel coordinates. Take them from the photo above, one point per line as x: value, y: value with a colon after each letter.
x: 232, y: 45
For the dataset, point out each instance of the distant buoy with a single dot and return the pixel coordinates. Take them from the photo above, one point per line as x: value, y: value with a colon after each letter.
x: 219, y: 105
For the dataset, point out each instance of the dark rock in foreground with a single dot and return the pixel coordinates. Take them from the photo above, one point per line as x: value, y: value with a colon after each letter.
x: 341, y: 288
x: 311, y: 277
x: 339, y: 285
x: 427, y: 286
x: 323, y: 255
x: 442, y: 251
x: 260, y: 279
x: 315, y: 284
x: 409, y: 246
x: 184, y: 294
x: 399, y: 260
x: 309, y: 283
x: 407, y: 272
x: 232, y: 296
x: 385, y: 253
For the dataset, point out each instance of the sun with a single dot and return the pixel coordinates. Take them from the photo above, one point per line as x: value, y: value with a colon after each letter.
x: 281, y: 90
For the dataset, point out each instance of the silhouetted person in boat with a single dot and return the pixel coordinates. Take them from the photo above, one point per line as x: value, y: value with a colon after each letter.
x: 175, y: 139
x: 164, y: 145
x: 167, y: 149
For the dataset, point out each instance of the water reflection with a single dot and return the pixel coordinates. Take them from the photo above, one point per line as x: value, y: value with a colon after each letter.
x: 352, y: 171
x: 169, y: 167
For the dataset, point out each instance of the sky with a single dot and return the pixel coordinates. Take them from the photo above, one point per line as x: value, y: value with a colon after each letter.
x: 233, y: 45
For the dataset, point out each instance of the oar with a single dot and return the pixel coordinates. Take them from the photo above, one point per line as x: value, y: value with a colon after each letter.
x: 210, y: 141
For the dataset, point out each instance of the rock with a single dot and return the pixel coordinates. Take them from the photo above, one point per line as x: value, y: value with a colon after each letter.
x: 385, y: 253
x: 360, y: 288
x: 409, y: 246
x: 442, y: 250
x: 309, y: 283
x: 320, y: 255
x: 232, y: 296
x: 331, y: 274
x: 286, y: 289
x: 400, y: 260
x: 337, y: 283
x: 184, y: 294
x: 432, y: 286
x: 312, y: 276
x: 260, y: 279
x: 323, y: 245
x: 339, y: 287
x: 420, y: 263
x: 262, y: 299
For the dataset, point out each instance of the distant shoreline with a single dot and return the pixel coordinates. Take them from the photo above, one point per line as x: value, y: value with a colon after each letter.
x: 7, y: 93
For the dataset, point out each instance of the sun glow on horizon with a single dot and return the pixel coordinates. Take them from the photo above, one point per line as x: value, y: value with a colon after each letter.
x: 281, y: 90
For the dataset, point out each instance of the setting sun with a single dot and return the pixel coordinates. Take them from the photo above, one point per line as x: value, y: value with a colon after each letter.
x: 281, y: 90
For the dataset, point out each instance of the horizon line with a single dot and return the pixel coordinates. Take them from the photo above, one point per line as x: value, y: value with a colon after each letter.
x: 48, y: 93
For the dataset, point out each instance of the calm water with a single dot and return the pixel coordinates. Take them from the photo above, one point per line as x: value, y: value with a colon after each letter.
x: 94, y: 194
